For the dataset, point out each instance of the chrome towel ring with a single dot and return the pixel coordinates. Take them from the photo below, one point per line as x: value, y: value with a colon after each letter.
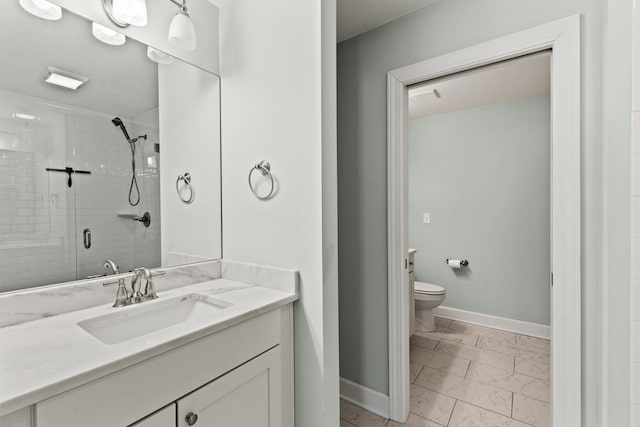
x: 187, y: 186
x: 265, y: 169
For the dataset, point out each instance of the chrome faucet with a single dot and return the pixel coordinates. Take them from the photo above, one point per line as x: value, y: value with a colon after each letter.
x: 110, y: 264
x: 139, y: 274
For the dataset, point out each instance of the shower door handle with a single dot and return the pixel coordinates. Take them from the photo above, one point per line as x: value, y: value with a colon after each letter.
x: 86, y: 238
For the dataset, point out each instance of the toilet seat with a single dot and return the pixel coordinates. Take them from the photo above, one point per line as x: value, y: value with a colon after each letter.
x: 428, y: 289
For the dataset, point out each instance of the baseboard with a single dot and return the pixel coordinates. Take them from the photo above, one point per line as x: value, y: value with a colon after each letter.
x: 511, y: 325
x: 371, y: 400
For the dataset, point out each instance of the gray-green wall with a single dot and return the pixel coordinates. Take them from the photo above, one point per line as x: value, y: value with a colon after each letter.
x: 447, y: 26
x: 483, y: 175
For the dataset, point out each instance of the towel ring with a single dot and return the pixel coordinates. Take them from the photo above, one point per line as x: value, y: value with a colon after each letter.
x: 187, y: 183
x: 265, y: 169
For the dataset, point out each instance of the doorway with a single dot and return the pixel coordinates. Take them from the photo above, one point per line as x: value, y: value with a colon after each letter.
x: 562, y: 39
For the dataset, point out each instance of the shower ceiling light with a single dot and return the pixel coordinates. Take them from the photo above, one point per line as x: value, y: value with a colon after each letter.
x: 42, y: 9
x: 107, y: 35
x: 65, y: 79
x: 25, y: 116
x: 158, y: 56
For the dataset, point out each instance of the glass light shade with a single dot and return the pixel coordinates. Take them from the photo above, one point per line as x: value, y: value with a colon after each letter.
x: 42, y: 9
x: 107, y: 35
x: 182, y: 33
x: 132, y: 12
x: 157, y: 56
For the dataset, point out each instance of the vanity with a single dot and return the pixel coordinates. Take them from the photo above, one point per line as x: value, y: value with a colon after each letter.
x: 214, y: 347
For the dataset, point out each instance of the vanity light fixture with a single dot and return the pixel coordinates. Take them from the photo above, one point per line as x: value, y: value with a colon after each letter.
x: 42, y: 9
x: 123, y: 13
x: 158, y: 56
x: 126, y: 12
x: 107, y: 35
x: 65, y: 79
x: 182, y: 33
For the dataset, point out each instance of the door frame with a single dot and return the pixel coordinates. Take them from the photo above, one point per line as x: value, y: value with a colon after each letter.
x: 562, y: 37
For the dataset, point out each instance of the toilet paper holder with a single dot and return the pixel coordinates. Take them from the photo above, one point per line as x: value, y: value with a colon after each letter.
x: 463, y: 262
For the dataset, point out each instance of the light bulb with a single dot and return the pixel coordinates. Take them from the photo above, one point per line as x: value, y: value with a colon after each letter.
x: 132, y: 12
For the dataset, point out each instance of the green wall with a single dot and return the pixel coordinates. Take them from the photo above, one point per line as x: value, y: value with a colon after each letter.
x: 447, y: 26
x: 483, y: 175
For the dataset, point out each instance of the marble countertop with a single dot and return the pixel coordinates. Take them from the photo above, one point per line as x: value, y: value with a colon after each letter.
x: 45, y: 357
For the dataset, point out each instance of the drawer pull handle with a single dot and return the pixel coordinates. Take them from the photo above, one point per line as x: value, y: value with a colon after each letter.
x: 191, y: 418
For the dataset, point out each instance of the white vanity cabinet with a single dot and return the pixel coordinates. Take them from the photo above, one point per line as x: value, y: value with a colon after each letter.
x: 239, y: 376
x: 166, y: 417
x: 243, y: 397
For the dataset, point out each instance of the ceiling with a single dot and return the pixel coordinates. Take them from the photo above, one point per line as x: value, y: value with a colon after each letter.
x: 122, y: 81
x: 358, y: 16
x: 517, y: 78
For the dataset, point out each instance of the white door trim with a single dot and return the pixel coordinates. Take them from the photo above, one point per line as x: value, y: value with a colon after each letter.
x: 563, y: 38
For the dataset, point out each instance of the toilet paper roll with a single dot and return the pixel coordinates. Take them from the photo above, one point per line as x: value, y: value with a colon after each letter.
x: 454, y: 263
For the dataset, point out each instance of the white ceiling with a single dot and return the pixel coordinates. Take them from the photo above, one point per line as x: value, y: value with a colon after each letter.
x: 505, y: 81
x: 358, y: 16
x: 122, y: 81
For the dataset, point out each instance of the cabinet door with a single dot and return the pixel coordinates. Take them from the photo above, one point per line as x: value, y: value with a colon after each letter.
x: 248, y: 396
x: 165, y: 417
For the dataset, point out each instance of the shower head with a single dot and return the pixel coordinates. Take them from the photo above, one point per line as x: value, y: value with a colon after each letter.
x: 118, y: 122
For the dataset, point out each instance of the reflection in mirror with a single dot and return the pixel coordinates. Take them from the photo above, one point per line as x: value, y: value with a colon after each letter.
x: 89, y: 175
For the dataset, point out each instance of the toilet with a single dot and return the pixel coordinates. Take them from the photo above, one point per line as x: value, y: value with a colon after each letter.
x: 427, y: 297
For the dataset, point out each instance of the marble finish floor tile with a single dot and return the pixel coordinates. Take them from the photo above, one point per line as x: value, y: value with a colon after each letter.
x: 531, y: 411
x: 509, y: 337
x: 360, y: 417
x: 442, y: 322
x: 423, y: 342
x: 474, y: 354
x: 344, y: 423
x: 414, y: 370
x: 440, y: 361
x: 534, y: 342
x: 539, y: 370
x: 414, y: 421
x: 433, y: 406
x: 466, y: 415
x: 514, y: 349
x: 485, y: 396
x: 510, y: 381
x: 450, y: 335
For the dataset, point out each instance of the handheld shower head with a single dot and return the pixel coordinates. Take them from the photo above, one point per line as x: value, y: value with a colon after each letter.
x: 117, y: 121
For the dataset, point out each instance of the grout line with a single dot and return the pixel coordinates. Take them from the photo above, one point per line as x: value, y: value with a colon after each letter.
x: 512, y: 394
x: 451, y: 414
x: 468, y: 367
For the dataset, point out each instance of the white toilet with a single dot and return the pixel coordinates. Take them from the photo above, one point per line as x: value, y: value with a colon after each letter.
x: 427, y: 297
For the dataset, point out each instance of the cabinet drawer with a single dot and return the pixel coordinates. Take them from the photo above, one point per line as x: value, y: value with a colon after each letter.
x: 128, y: 395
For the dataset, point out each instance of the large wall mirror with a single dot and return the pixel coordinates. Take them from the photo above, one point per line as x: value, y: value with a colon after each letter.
x: 100, y: 172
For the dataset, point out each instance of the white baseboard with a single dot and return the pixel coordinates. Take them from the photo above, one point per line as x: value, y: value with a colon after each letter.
x: 371, y: 400
x: 511, y: 325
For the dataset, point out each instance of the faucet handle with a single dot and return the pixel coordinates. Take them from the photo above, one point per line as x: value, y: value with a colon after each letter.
x: 149, y: 289
x: 122, y: 298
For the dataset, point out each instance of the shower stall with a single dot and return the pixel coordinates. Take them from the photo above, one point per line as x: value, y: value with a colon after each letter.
x: 73, y: 191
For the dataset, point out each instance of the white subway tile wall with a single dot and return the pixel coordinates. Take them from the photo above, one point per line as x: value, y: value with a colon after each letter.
x: 635, y: 214
x: 42, y: 219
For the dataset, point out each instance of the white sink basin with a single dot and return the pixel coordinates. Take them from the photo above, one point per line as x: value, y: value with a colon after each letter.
x: 151, y: 316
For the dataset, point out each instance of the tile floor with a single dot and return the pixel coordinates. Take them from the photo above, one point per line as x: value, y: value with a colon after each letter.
x: 463, y: 375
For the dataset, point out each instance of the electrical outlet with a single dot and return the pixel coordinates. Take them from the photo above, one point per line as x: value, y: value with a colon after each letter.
x: 426, y: 218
